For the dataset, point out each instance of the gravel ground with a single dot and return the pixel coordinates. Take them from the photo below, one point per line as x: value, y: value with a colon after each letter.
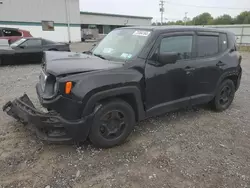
x: 187, y: 148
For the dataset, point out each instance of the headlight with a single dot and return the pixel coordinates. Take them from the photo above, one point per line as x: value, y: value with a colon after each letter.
x: 56, y: 86
x: 43, y: 79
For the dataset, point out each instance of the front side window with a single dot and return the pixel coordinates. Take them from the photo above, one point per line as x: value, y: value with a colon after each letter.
x: 179, y: 44
x: 207, y: 45
x: 18, y: 42
x: 32, y: 42
x: 122, y: 44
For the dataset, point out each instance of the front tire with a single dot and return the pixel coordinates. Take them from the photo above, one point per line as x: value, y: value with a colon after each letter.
x: 112, y: 124
x: 224, y: 96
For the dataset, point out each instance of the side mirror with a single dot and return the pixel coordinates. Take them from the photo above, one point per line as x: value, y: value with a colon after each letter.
x: 168, y: 57
x: 22, y: 47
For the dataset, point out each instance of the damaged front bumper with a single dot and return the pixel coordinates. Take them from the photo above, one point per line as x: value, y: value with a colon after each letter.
x: 49, y: 126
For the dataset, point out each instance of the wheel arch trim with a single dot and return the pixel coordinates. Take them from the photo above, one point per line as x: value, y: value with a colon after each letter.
x: 116, y: 92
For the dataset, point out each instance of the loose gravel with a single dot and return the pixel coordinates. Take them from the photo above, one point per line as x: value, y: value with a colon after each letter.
x: 187, y: 148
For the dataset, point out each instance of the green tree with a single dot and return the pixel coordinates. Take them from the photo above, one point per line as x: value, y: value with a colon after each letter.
x: 223, y: 20
x: 247, y: 20
x: 206, y: 19
x: 203, y: 19
x: 243, y: 18
x: 179, y: 22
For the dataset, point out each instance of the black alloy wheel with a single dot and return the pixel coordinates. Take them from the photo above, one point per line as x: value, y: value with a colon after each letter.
x: 224, y: 96
x: 112, y: 124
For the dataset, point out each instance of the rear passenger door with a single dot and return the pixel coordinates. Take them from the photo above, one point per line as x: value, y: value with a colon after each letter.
x: 208, y: 67
x: 47, y: 45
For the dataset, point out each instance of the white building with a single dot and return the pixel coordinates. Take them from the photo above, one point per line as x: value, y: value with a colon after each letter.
x: 60, y: 20
x: 106, y: 22
x: 30, y: 14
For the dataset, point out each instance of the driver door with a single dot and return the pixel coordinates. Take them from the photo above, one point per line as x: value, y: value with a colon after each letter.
x: 167, y: 85
x: 30, y: 51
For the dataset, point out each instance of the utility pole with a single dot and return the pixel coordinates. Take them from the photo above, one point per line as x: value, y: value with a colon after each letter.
x: 185, y: 18
x: 162, y: 2
x: 68, y: 19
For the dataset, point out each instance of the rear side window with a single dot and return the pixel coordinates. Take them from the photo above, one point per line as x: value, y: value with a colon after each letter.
x: 207, y: 45
x: 11, y: 33
x: 179, y: 44
x: 47, y: 42
x: 223, y: 42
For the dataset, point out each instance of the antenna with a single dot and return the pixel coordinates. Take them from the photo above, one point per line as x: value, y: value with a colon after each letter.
x: 162, y: 2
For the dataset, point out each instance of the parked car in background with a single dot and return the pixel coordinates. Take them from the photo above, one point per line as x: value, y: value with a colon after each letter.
x: 30, y: 50
x: 4, y: 45
x: 13, y: 34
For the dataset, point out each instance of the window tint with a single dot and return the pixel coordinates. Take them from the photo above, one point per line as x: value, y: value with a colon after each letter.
x: 223, y: 41
x: 32, y: 42
x: 10, y: 33
x: 208, y: 45
x: 179, y: 44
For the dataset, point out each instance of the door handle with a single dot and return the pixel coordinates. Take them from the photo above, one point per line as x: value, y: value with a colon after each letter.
x: 189, y: 68
x: 220, y: 64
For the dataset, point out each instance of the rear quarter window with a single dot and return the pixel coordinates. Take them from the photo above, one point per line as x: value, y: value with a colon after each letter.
x: 47, y: 42
x: 207, y: 45
x: 223, y: 42
x: 11, y: 33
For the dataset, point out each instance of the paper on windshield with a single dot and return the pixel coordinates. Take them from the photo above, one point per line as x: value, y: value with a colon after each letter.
x: 108, y: 50
x: 141, y: 33
x: 126, y: 55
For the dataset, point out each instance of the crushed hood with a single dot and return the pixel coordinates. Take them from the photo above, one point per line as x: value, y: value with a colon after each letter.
x: 59, y: 63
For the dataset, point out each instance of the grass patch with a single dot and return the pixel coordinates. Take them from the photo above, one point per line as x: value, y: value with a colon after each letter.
x: 244, y: 48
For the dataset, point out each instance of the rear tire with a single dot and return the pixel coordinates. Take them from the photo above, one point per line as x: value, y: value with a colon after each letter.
x: 224, y: 96
x: 112, y: 124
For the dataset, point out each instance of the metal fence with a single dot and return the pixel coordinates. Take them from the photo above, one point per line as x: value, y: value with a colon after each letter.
x: 242, y: 32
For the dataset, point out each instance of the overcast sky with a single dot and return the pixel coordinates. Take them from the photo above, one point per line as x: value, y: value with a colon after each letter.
x: 174, y: 9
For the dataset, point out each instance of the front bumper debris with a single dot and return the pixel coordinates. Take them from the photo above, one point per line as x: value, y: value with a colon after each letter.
x: 49, y: 126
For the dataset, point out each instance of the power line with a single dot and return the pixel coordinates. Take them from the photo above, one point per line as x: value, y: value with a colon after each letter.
x: 198, y: 6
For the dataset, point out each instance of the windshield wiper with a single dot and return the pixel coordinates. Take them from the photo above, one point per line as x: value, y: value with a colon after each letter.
x: 87, y: 52
x: 99, y: 55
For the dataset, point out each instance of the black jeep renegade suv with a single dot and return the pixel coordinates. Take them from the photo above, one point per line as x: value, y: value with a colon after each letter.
x: 132, y: 74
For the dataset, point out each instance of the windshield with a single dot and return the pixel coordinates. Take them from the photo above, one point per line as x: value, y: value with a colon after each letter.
x: 18, y: 42
x: 122, y: 44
